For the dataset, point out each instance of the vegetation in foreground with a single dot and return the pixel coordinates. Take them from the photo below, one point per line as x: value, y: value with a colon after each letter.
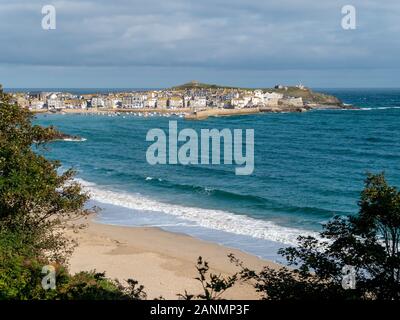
x: 37, y: 203
x: 367, y: 242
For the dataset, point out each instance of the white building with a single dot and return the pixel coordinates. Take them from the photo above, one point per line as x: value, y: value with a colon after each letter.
x: 111, y: 103
x: 242, y: 102
x: 53, y: 102
x: 36, y: 105
x: 199, y: 102
x: 186, y: 101
x: 258, y: 94
x: 150, y: 102
x: 272, y: 98
x: 301, y: 86
x: 175, y: 102
x: 133, y: 101
x: 97, y: 102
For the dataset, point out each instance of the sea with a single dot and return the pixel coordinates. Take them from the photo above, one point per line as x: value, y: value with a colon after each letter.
x: 308, y: 168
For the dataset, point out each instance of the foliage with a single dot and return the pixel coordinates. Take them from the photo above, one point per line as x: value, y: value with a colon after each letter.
x: 212, y: 288
x: 35, y: 199
x: 95, y: 286
x: 36, y: 204
x: 369, y: 242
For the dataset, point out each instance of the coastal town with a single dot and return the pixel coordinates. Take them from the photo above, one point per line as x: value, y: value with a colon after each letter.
x: 193, y: 99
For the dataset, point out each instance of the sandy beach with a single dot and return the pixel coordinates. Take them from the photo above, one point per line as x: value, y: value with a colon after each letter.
x: 163, y: 262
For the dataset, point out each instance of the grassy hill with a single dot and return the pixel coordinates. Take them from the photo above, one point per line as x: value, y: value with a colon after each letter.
x: 307, y: 94
x: 198, y: 85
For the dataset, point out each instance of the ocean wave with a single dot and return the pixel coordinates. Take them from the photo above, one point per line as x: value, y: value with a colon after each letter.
x: 250, y: 200
x: 385, y: 108
x: 72, y: 139
x: 209, y: 191
x: 376, y: 108
x: 151, y: 178
x: 212, y: 219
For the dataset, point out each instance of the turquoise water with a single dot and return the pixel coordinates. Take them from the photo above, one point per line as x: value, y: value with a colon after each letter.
x: 308, y: 168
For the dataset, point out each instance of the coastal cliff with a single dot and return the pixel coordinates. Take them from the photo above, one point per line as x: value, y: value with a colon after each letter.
x: 257, y: 100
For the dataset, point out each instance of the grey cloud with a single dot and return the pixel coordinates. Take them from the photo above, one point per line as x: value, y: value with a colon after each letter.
x: 240, y: 34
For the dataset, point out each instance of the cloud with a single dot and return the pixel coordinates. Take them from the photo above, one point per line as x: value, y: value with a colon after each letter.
x: 217, y: 34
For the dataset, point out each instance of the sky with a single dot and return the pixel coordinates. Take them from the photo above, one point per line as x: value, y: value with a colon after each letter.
x: 160, y: 43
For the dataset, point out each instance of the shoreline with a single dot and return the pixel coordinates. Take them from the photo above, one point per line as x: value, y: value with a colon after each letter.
x: 162, y: 261
x: 111, y: 111
x: 190, y: 114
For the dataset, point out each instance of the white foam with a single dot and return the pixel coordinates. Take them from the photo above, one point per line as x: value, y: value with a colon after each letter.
x: 151, y: 178
x: 74, y: 139
x: 385, y: 108
x: 378, y: 108
x: 213, y: 219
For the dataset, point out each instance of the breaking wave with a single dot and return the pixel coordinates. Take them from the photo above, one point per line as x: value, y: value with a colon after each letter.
x: 212, y: 219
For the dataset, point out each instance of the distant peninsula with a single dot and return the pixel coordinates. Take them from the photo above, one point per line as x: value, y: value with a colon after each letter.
x: 193, y: 100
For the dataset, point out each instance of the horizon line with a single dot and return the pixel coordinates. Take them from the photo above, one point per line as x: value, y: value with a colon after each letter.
x: 160, y: 88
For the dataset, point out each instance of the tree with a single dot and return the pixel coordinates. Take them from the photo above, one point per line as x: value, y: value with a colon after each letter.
x: 36, y: 204
x: 212, y: 288
x: 367, y: 242
x: 36, y: 200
